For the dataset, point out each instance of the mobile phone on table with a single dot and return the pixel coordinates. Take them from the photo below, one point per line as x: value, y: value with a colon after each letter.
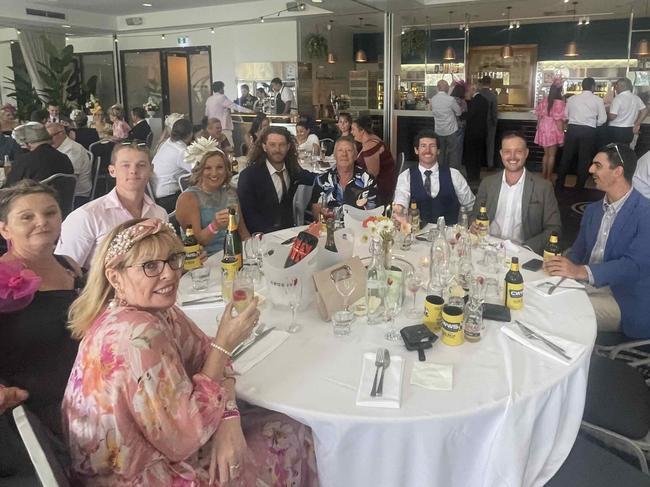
x: 533, y: 265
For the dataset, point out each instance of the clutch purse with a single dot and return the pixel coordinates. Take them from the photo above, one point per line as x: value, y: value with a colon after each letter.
x: 417, y: 337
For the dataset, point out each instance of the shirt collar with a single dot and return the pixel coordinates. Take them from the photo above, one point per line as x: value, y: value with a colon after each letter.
x: 434, y: 169
x: 112, y: 201
x: 271, y: 169
x: 518, y: 183
x: 618, y: 204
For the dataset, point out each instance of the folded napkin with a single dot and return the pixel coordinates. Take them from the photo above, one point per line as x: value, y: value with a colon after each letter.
x: 572, y: 349
x: 392, y: 391
x: 186, y: 292
x: 437, y: 377
x: 259, y: 351
x: 543, y: 290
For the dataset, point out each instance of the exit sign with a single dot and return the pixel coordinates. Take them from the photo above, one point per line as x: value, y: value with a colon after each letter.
x: 183, y: 41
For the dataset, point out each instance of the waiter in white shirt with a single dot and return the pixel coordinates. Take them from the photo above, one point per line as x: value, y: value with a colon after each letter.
x: 437, y: 190
x: 219, y: 106
x: 445, y: 110
x: 584, y: 112
x: 284, y: 100
x: 626, y: 113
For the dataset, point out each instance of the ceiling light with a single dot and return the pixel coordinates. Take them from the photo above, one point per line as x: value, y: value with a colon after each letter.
x: 162, y: 36
x: 302, y: 6
x: 642, y: 48
x: 449, y: 54
x: 360, y: 56
x: 66, y: 26
x: 517, y: 24
x: 331, y: 59
x: 147, y: 5
x: 262, y: 20
x: 317, y: 1
x: 571, y: 49
x: 115, y: 38
x: 18, y: 31
x: 211, y: 30
x: 587, y: 21
x: 506, y: 51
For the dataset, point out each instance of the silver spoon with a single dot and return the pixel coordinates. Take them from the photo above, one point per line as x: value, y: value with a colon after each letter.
x: 386, y: 363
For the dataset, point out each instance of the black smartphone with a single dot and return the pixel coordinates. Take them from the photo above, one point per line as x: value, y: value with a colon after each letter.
x: 533, y: 265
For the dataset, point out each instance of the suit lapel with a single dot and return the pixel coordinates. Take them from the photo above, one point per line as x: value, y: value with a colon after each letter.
x: 527, y: 195
x: 493, y: 197
x: 268, y: 186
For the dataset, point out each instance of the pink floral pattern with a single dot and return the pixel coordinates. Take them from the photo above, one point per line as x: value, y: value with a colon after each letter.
x: 17, y: 286
x: 137, y: 411
x: 548, y: 133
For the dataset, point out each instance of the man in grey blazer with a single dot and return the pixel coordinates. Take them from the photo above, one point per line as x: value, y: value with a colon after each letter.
x: 521, y: 205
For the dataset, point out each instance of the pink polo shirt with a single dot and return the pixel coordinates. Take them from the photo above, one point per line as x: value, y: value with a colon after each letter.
x: 84, y: 229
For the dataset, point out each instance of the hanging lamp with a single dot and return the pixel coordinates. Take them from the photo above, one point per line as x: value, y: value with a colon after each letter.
x: 331, y: 59
x: 360, y: 56
x: 642, y: 48
x: 506, y: 51
x: 572, y: 47
x: 449, y: 54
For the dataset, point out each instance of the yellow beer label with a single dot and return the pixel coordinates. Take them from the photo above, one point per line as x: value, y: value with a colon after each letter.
x: 452, y: 329
x: 483, y: 227
x: 548, y: 255
x: 514, y: 295
x: 192, y: 259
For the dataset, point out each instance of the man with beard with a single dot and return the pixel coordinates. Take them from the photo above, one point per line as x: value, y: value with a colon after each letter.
x: 521, y: 205
x: 266, y: 188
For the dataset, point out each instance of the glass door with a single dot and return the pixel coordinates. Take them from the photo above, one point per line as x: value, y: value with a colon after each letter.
x: 176, y: 99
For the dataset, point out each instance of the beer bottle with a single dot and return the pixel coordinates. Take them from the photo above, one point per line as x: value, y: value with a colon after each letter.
x: 414, y: 217
x: 330, y: 243
x: 552, y: 248
x: 514, y: 286
x: 232, y: 243
x: 192, y: 250
x: 482, y: 221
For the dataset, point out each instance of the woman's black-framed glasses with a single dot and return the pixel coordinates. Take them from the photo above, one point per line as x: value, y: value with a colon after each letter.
x: 614, y: 145
x: 153, y: 268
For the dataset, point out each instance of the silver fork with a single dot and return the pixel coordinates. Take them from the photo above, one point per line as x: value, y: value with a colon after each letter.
x: 386, y: 363
x: 379, y: 363
x: 534, y: 336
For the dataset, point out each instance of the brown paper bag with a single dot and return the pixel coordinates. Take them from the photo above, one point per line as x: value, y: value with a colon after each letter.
x: 328, y: 299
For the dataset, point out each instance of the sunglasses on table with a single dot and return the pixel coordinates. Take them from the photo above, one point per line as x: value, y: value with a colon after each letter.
x: 153, y: 268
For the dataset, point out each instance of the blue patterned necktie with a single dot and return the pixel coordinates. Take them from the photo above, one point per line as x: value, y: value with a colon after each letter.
x: 427, y: 181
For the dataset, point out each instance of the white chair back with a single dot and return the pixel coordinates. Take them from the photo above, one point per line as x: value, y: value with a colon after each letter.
x: 301, y: 202
x: 65, y: 184
x: 184, y: 181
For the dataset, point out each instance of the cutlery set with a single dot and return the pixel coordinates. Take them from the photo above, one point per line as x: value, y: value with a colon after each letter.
x: 530, y: 334
x: 553, y: 287
x: 259, y: 333
x: 382, y: 361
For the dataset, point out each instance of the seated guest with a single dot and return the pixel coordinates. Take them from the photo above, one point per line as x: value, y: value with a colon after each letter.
x: 163, y: 393
x: 141, y: 128
x: 305, y: 140
x: 521, y: 205
x: 170, y: 120
x: 78, y: 157
x: 102, y: 153
x: 8, y: 120
x: 205, y: 204
x: 40, y: 116
x: 617, y: 269
x: 437, y: 190
x: 37, y: 349
x: 344, y: 124
x: 213, y: 129
x: 641, y: 179
x: 375, y: 158
x: 267, y: 186
x: 85, y: 228
x: 169, y: 163
x: 121, y: 129
x: 259, y: 125
x: 82, y: 134
x: 345, y: 184
x: 8, y: 147
x: 42, y: 160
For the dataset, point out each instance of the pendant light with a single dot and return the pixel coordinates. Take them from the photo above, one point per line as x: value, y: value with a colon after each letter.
x: 642, y: 49
x: 506, y: 51
x: 360, y: 56
x: 331, y: 59
x: 572, y: 47
x: 449, y: 54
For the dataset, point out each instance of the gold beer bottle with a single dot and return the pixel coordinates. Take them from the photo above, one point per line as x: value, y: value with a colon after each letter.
x: 192, y: 250
x: 482, y: 221
x: 552, y: 248
x: 514, y: 286
x: 414, y: 217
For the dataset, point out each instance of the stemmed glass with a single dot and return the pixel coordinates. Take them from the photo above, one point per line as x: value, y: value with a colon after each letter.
x: 345, y: 286
x: 293, y: 293
x: 323, y: 151
x: 256, y: 247
x: 413, y: 284
x: 393, y: 305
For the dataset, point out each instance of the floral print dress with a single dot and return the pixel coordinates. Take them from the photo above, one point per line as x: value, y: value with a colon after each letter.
x: 137, y: 410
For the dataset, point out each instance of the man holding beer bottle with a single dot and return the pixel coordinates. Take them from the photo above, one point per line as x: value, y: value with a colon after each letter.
x: 617, y: 269
x: 521, y: 205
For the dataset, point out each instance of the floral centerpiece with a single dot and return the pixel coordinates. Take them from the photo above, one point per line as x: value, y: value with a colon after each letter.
x: 384, y: 228
x: 93, y: 105
x: 151, y: 106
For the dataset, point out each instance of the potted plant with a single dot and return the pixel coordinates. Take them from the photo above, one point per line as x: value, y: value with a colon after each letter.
x: 316, y: 46
x: 151, y: 107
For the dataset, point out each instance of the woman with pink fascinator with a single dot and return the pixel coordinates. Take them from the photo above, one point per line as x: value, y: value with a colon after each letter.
x: 550, y: 126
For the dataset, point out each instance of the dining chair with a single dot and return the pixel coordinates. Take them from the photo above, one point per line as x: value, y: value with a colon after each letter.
x: 301, y: 203
x: 95, y: 173
x: 39, y: 445
x: 149, y: 140
x: 65, y: 185
x: 329, y: 145
x: 184, y: 181
x: 634, y: 352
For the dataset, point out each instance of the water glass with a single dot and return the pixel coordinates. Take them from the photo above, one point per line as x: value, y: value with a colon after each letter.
x: 490, y: 260
x: 342, y: 321
x: 393, y: 305
x: 493, y: 291
x: 200, y: 278
x: 257, y: 238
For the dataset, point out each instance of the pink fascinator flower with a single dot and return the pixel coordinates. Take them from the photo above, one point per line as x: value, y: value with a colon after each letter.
x: 17, y: 286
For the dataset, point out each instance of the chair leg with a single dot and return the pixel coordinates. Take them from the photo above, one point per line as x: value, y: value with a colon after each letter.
x: 617, y: 441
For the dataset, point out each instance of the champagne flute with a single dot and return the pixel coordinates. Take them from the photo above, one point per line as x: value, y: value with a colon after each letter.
x: 257, y: 239
x: 293, y: 293
x: 393, y: 305
x: 323, y: 150
x: 413, y: 284
x: 243, y: 291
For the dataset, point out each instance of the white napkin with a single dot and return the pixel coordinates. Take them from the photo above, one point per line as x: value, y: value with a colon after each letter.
x: 437, y: 377
x: 543, y: 290
x: 187, y: 293
x: 392, y: 390
x: 572, y: 349
x: 259, y: 351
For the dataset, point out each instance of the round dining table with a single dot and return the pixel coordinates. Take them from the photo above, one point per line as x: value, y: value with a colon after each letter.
x: 509, y: 420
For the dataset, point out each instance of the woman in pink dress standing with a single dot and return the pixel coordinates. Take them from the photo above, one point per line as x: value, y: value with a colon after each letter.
x: 550, y: 126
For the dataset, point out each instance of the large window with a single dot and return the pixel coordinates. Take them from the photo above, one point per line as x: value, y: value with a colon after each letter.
x: 141, y: 77
x: 100, y: 64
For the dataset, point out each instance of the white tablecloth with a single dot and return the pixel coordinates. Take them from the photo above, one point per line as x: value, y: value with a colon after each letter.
x: 510, y: 420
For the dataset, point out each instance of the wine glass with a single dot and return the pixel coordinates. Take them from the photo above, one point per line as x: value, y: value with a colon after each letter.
x: 413, y: 284
x: 293, y: 293
x: 243, y: 291
x: 345, y: 286
x: 393, y: 304
x: 323, y: 150
x: 257, y: 239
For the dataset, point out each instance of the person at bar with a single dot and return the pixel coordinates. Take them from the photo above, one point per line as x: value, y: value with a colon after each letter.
x: 218, y: 105
x: 641, y: 179
x: 260, y: 96
x: 584, y: 113
x: 521, y: 204
x: 141, y: 129
x: 246, y: 99
x: 550, y: 126
x: 267, y: 186
x: 438, y: 190
x: 616, y: 269
x: 283, y: 95
x: 375, y: 158
x: 485, y: 89
x: 445, y: 113
x: 626, y: 113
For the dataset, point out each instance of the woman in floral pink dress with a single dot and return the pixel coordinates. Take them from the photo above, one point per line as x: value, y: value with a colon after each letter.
x: 151, y: 399
x: 550, y: 127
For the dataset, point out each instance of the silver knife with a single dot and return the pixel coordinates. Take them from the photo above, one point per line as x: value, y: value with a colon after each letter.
x: 242, y: 350
x: 555, y: 286
x: 203, y: 300
x: 550, y: 344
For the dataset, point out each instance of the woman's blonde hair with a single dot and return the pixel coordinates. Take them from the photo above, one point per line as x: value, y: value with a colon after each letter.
x: 197, y: 170
x: 98, y: 291
x: 117, y: 111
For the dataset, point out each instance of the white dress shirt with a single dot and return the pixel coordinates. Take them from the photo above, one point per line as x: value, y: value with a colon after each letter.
x: 81, y: 164
x: 168, y: 164
x: 641, y: 179
x: 586, y: 109
x: 286, y: 95
x: 507, y: 218
x: 445, y: 110
x: 85, y: 228
x: 463, y: 192
x: 219, y: 105
x: 308, y: 145
x: 275, y: 177
x: 626, y: 106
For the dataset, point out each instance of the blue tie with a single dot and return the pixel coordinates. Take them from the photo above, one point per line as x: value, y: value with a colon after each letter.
x: 427, y: 181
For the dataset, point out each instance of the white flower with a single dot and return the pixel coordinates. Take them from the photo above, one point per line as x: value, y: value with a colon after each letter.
x: 199, y: 148
x: 172, y: 118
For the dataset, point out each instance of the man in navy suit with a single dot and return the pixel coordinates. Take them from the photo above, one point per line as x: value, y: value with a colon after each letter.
x: 618, y: 268
x: 266, y: 188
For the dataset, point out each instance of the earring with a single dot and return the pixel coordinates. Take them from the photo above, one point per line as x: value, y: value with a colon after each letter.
x: 117, y: 301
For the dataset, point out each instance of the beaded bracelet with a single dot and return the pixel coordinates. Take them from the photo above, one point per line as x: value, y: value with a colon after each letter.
x: 212, y: 229
x: 233, y: 413
x: 221, y: 349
